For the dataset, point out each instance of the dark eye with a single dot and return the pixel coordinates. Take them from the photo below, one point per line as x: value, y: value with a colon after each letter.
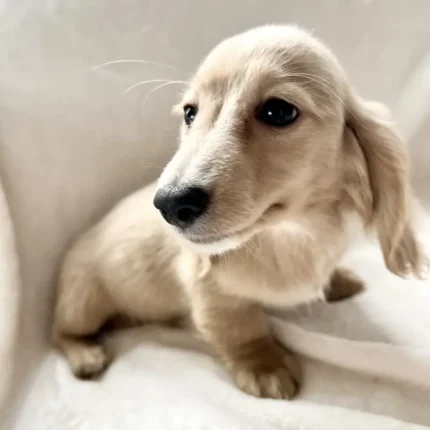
x: 190, y: 113
x: 278, y: 112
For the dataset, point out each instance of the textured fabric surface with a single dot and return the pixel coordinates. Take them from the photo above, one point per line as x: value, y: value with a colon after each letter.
x: 72, y: 143
x: 9, y: 296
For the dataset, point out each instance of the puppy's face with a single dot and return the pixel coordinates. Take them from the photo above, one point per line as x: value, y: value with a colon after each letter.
x: 262, y: 130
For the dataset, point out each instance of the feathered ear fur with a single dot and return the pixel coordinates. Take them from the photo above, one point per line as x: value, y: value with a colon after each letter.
x: 376, y: 159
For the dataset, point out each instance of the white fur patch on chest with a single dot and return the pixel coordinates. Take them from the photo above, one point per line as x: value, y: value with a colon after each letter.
x: 292, y: 296
x: 286, y: 266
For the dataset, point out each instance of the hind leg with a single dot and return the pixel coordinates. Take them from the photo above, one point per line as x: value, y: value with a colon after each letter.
x: 81, y: 312
x: 343, y: 285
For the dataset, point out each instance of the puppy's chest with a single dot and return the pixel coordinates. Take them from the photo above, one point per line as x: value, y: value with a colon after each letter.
x: 278, y: 273
x: 272, y: 288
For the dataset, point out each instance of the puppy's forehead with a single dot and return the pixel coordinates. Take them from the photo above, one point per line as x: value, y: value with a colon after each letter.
x: 267, y: 56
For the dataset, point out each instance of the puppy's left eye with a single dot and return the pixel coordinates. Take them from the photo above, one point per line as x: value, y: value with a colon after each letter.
x: 190, y: 113
x: 278, y: 112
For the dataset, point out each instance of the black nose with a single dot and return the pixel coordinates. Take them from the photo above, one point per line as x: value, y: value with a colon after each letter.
x: 183, y: 206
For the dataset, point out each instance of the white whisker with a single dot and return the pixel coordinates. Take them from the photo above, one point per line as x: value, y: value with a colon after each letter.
x: 151, y: 81
x: 161, y: 86
x: 155, y: 63
x: 153, y: 167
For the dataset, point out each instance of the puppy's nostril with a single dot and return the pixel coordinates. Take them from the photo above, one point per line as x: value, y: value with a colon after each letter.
x: 186, y: 214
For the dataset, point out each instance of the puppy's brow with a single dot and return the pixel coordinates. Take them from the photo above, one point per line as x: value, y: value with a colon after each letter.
x: 217, y: 86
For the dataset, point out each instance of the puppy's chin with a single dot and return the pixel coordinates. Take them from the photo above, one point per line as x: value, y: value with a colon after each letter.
x: 210, y: 245
x: 217, y: 247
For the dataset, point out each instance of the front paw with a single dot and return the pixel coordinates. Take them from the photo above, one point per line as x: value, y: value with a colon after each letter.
x: 266, y: 370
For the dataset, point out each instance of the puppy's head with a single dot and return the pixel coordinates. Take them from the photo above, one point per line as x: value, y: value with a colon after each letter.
x: 264, y: 135
x: 262, y: 120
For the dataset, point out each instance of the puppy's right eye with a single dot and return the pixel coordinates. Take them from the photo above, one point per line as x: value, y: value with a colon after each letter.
x: 190, y: 113
x: 278, y: 112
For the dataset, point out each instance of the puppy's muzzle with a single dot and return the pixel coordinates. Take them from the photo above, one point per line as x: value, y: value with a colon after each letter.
x: 181, y: 207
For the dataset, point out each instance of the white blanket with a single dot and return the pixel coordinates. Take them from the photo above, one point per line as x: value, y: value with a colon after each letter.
x: 368, y: 367
x: 71, y: 145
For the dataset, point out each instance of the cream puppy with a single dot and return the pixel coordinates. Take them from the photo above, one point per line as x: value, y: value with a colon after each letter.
x: 277, y: 155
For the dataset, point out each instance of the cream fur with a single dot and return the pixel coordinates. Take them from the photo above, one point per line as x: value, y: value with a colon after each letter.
x: 279, y: 219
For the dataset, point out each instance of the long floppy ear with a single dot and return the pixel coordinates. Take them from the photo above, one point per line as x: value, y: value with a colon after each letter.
x: 390, y: 201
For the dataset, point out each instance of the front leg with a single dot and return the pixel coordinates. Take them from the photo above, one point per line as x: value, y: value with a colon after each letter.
x: 240, y: 333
